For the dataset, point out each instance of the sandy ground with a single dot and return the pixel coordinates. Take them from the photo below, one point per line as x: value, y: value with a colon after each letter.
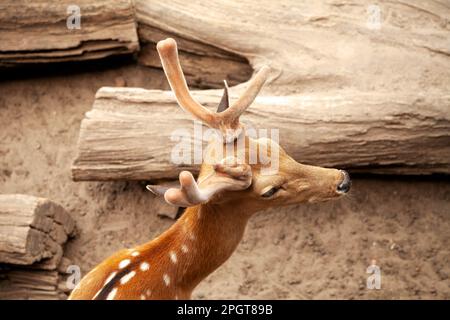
x: 301, y: 252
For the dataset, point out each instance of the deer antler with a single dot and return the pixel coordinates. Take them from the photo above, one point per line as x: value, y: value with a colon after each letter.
x: 228, y: 175
x: 228, y: 120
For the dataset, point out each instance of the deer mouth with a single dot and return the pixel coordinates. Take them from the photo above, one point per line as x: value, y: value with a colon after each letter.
x: 345, y: 184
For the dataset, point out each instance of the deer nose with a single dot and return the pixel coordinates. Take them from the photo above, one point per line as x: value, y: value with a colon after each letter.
x: 344, y: 186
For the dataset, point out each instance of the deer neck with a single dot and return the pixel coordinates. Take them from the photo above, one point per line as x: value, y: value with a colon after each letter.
x: 202, y: 239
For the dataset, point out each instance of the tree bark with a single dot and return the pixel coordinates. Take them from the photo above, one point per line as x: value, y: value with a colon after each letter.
x: 127, y: 134
x: 37, y: 32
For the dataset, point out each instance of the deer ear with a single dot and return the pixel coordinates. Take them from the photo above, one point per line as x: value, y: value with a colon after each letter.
x: 188, y: 194
x: 227, y: 175
x: 224, y: 102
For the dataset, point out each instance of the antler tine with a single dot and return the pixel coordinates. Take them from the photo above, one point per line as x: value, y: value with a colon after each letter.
x: 232, y: 114
x: 229, y: 174
x: 168, y: 54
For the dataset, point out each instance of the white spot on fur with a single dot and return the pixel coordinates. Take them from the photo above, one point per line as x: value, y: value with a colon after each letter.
x: 142, y: 297
x: 148, y: 292
x: 124, y: 263
x: 176, y: 297
x: 111, y: 276
x: 173, y: 257
x: 144, y: 266
x: 127, y: 277
x: 112, y: 294
x: 135, y: 253
x: 184, y: 248
x: 166, y: 279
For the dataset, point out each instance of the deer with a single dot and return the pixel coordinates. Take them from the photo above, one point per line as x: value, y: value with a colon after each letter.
x: 218, y: 205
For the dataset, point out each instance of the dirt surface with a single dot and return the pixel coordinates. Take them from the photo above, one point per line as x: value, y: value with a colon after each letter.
x: 301, y: 252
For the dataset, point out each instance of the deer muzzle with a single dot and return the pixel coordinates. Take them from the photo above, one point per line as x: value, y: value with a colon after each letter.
x: 346, y: 183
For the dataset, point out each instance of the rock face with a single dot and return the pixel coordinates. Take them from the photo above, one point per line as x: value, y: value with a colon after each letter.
x: 33, y: 232
x: 46, y: 31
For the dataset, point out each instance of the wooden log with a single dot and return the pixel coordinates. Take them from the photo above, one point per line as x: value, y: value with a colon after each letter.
x: 32, y: 234
x: 40, y: 280
x: 36, y: 282
x: 28, y: 284
x: 127, y: 134
x: 32, y: 229
x: 320, y: 46
x: 51, y: 263
x: 37, y: 32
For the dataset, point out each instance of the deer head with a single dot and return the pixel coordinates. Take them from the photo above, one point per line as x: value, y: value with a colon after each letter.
x: 238, y: 180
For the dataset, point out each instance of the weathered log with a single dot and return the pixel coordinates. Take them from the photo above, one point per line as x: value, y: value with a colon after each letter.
x: 32, y: 229
x: 22, y: 283
x: 127, y: 134
x: 37, y: 32
x: 320, y: 46
x: 32, y: 234
x: 38, y: 281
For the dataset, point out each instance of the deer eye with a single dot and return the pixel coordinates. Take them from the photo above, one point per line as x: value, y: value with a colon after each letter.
x: 270, y: 192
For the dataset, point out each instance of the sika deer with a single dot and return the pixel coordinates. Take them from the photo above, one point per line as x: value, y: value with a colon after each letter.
x: 228, y: 192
